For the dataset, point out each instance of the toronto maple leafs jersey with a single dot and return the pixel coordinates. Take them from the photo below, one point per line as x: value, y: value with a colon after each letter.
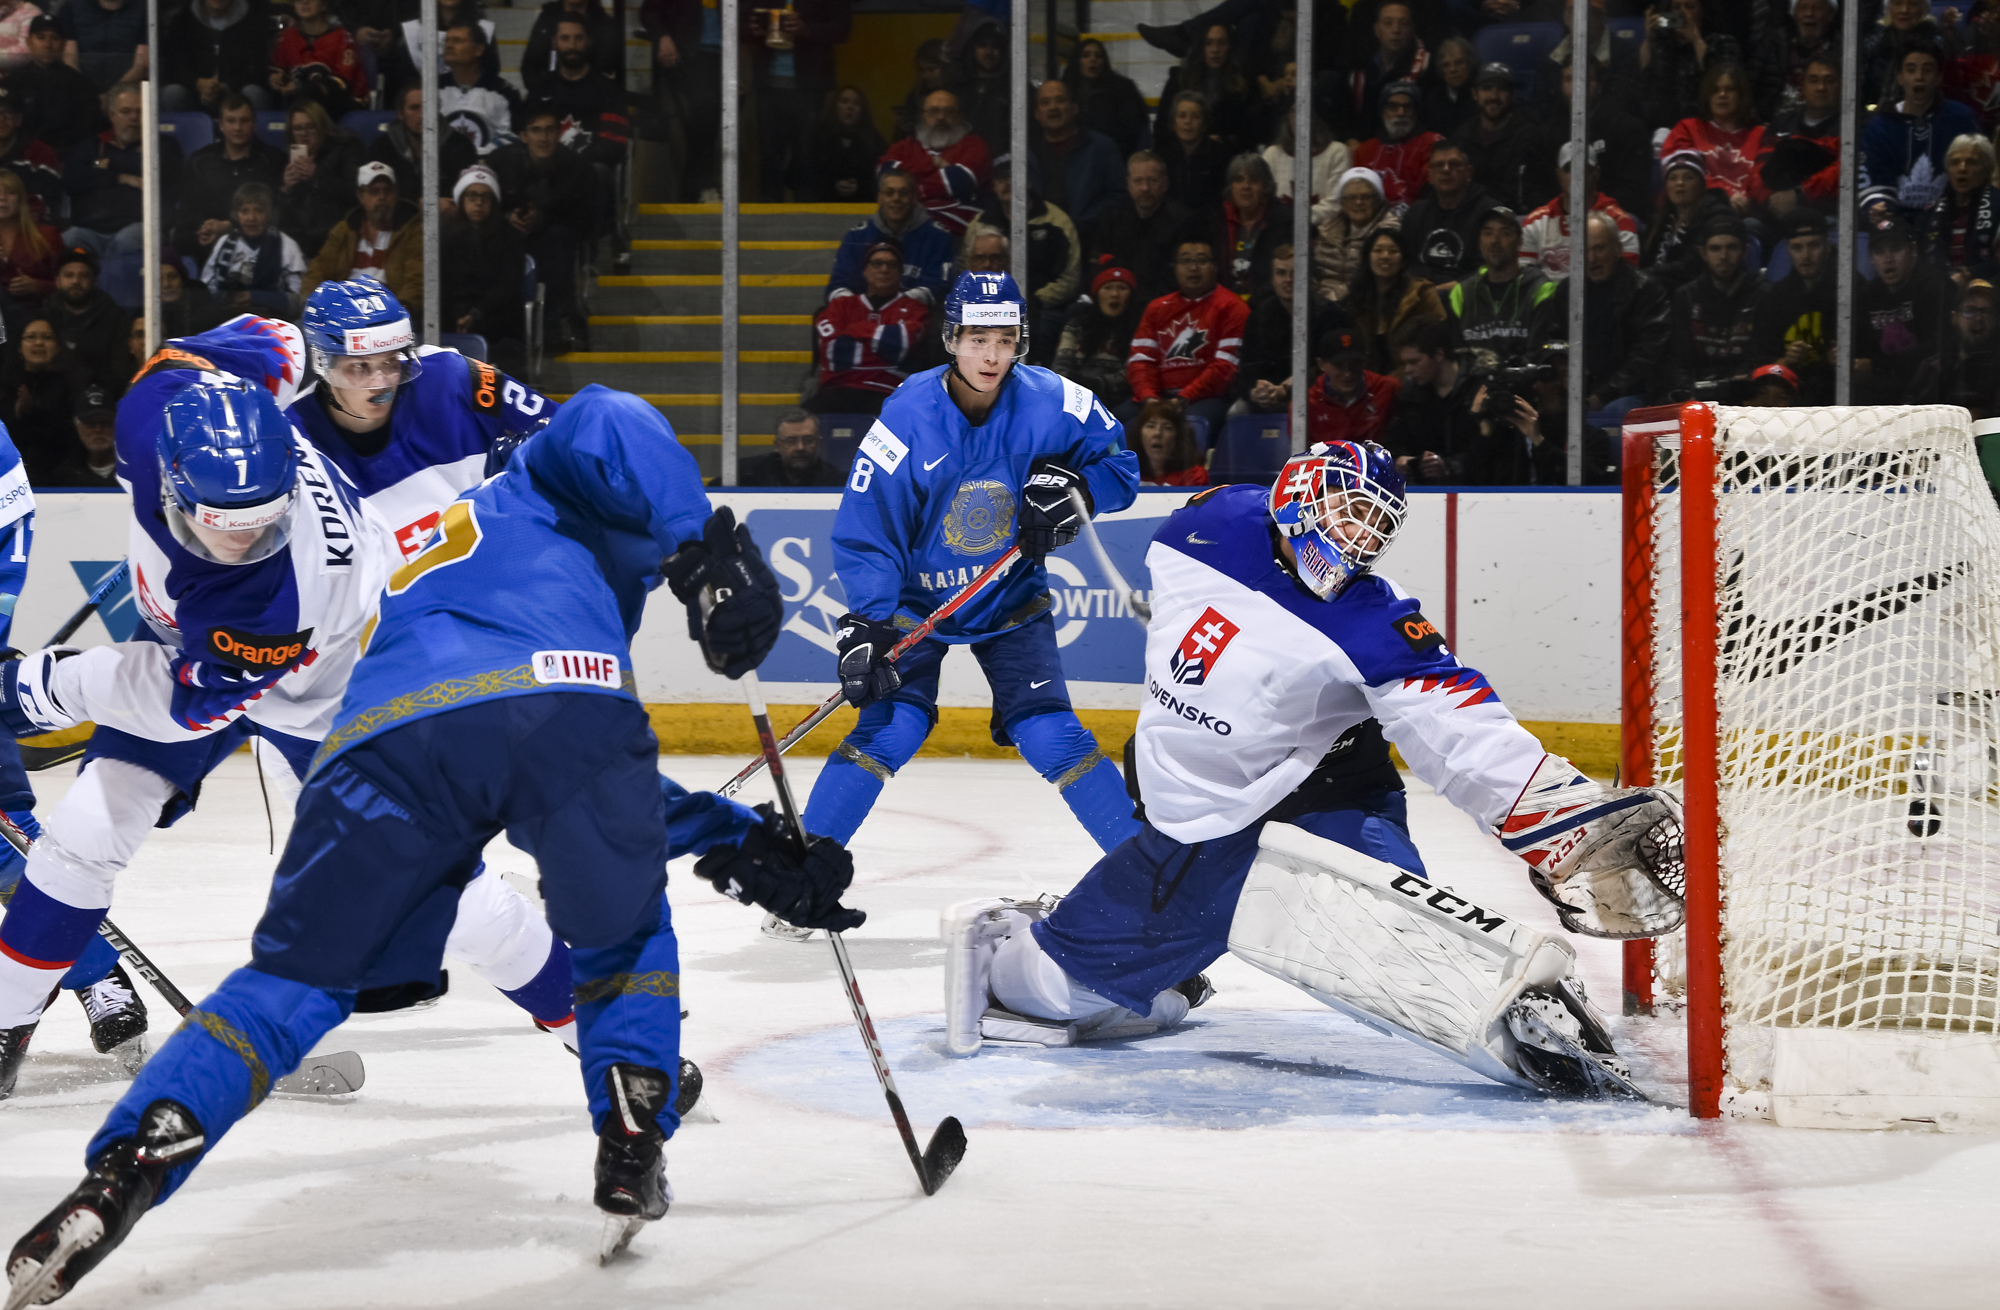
x: 274, y: 639
x: 453, y: 425
x: 931, y: 499
x: 1250, y: 680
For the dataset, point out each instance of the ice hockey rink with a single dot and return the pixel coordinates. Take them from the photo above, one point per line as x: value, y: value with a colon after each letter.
x: 1267, y: 1153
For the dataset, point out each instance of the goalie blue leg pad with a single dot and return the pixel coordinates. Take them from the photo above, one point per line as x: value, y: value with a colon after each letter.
x: 1060, y: 749
x: 883, y: 740
x: 1156, y: 911
x: 226, y: 1055
x: 628, y: 1010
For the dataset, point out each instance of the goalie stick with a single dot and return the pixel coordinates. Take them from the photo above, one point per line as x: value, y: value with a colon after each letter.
x: 896, y: 652
x: 36, y: 758
x: 1141, y: 610
x: 935, y: 1162
x: 334, y: 1074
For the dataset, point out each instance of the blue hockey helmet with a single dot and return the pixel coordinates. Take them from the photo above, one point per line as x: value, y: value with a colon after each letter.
x: 985, y: 300
x: 229, y: 465
x: 1340, y: 505
x: 359, y: 336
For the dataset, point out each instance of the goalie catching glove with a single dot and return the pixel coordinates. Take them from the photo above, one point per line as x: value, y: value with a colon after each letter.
x: 765, y: 871
x: 1049, y: 518
x: 1609, y: 859
x: 734, y: 607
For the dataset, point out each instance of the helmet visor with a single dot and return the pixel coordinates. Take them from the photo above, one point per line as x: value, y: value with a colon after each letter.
x: 975, y: 337
x: 391, y: 368
x: 261, y: 532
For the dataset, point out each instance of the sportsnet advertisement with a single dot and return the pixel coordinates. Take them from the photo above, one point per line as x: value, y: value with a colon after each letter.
x: 1526, y: 580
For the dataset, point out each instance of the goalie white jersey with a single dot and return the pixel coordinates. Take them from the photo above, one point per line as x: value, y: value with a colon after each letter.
x: 1250, y: 680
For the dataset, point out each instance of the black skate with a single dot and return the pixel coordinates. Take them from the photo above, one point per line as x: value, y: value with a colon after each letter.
x: 1197, y: 989
x: 13, y: 1053
x: 125, y: 1177
x: 1564, y: 1049
x: 689, y: 1091
x: 117, y: 1018
x: 631, y: 1167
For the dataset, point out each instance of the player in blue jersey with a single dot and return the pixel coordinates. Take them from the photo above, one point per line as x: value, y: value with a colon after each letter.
x: 496, y: 696
x: 967, y: 460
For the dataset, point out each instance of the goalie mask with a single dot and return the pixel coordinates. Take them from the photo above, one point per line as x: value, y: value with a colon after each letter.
x: 1339, y: 504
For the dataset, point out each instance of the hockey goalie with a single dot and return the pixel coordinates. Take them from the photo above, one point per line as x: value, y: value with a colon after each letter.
x: 1279, y: 669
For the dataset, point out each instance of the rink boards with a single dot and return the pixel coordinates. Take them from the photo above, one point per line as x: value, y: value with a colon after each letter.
x: 1523, y: 583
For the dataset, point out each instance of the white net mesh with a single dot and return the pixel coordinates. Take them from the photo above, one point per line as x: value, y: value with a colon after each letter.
x: 1858, y: 566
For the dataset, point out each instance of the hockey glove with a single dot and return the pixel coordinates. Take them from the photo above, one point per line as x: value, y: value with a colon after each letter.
x: 28, y: 703
x: 1609, y: 859
x: 764, y: 871
x: 866, y: 675
x: 733, y: 604
x: 1049, y: 518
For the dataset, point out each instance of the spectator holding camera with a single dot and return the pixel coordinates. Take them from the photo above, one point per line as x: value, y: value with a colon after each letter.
x: 1680, y: 46
x: 315, y: 58
x: 1524, y: 442
x: 254, y: 268
x: 318, y: 181
x: 214, y: 48
x: 103, y: 178
x: 381, y: 240
x: 215, y: 172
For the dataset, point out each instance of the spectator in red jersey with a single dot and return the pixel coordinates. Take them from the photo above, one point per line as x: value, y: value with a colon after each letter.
x: 1347, y: 402
x: 1401, y: 155
x: 1188, y: 343
x: 1729, y: 139
x: 1960, y: 230
x: 1801, y: 163
x: 1545, y: 232
x: 950, y: 163
x: 865, y: 339
x: 315, y: 58
x: 1168, y: 454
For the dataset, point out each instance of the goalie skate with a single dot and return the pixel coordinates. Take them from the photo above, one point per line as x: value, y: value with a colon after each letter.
x: 1554, y: 1049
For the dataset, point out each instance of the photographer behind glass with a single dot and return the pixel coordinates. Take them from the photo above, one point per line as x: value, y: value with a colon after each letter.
x: 1522, y: 408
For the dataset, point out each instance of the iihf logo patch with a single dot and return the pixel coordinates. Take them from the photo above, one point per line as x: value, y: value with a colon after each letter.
x: 1201, y: 648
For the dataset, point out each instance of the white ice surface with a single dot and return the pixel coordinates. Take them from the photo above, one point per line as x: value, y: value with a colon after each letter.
x: 1269, y: 1153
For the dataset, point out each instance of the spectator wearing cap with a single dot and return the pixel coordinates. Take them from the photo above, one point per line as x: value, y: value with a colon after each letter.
x: 794, y: 460
x: 103, y: 175
x: 1959, y: 231
x: 254, y: 268
x: 1502, y: 142
x: 93, y: 464
x: 1801, y: 164
x: 484, y: 263
x: 1097, y: 337
x: 37, y: 377
x: 1401, y: 155
x: 899, y: 218
x: 1625, y: 323
x: 1506, y: 307
x: 1772, y: 386
x: 380, y: 240
x: 38, y: 166
x: 1715, y: 314
x: 62, y: 106
x: 1796, y: 321
x: 1163, y: 439
x: 1680, y: 45
x: 475, y: 99
x: 1264, y: 383
x: 1973, y: 378
x: 1901, y: 322
x: 949, y: 161
x: 551, y: 199
x: 106, y: 40
x: 315, y: 57
x: 1359, y: 210
x: 86, y: 319
x: 214, y: 173
x: 1347, y: 401
x: 401, y: 147
x: 1442, y: 228
x: 213, y: 48
x: 1725, y: 134
x: 1902, y: 166
x: 318, y: 181
x: 1138, y: 230
x: 1079, y: 166
x: 1687, y: 206
x: 864, y: 341
x: 15, y: 18
x: 1545, y: 232
x: 1189, y: 342
x: 1397, y: 54
x: 1249, y: 223
x: 28, y: 252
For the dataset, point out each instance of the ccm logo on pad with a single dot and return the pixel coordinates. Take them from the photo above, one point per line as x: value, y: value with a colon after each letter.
x: 1419, y: 631
x: 257, y: 652
x: 586, y: 668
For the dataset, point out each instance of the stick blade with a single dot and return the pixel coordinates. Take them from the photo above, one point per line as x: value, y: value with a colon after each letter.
x: 941, y: 1157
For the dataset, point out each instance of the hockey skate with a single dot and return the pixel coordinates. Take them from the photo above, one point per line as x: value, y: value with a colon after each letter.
x: 117, y: 1018
x: 74, y: 1238
x: 1562, y: 1048
x: 632, y: 1185
x: 13, y: 1053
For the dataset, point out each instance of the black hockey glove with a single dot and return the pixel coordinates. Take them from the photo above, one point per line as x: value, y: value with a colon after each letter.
x: 866, y: 675
x: 1048, y: 518
x: 724, y: 571
x: 764, y: 871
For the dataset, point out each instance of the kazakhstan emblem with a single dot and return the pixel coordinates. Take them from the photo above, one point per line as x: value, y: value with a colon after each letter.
x: 981, y: 518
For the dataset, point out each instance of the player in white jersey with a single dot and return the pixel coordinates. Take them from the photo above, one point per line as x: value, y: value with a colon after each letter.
x: 1278, y: 670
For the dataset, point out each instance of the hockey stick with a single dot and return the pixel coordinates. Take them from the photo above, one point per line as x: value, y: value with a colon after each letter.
x: 935, y: 1162
x: 334, y: 1074
x: 1142, y: 610
x: 896, y: 652
x: 36, y: 758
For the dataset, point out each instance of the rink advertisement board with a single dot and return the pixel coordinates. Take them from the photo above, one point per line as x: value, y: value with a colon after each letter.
x: 1524, y: 585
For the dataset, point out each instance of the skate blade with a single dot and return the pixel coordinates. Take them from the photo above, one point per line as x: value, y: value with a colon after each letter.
x: 618, y: 1234
x: 778, y: 929
x: 338, y: 1073
x: 30, y: 1284
x: 131, y: 1054
x: 1600, y: 1081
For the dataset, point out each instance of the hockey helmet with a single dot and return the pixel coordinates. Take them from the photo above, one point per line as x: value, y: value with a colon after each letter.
x: 359, y: 336
x: 985, y: 300
x: 229, y: 465
x: 1340, y: 505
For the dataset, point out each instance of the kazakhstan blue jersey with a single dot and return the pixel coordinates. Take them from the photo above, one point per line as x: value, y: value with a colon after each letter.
x: 931, y: 499
x: 534, y: 581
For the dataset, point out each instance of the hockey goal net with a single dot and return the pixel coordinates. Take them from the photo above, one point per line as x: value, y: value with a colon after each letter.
x: 1811, y: 626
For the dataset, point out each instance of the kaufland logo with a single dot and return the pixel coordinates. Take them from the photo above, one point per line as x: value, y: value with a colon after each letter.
x: 388, y: 336
x: 1199, y: 650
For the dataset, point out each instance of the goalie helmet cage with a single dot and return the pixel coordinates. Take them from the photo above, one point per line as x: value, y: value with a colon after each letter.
x: 1811, y: 654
